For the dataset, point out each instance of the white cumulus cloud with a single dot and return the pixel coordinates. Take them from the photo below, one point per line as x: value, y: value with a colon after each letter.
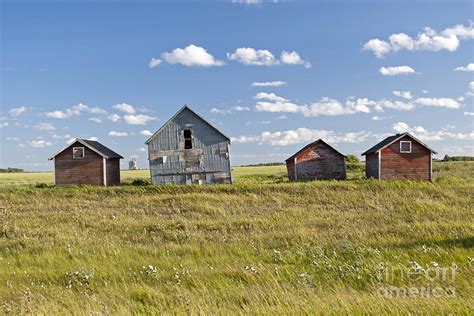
x: 269, y: 97
x: 117, y: 134
x: 75, y: 110
x: 427, y: 40
x: 124, y: 107
x: 302, y: 135
x: 439, y: 102
x: 139, y: 119
x: 469, y: 67
x: 114, y: 117
x: 293, y: 58
x: 190, y: 56
x: 146, y: 132
x: 251, y: 56
x: 276, y: 107
x: 403, y: 94
x: 397, y: 70
x: 421, y: 133
x: 263, y: 57
x: 154, y: 62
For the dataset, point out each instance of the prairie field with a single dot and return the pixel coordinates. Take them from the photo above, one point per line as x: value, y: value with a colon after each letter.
x: 259, y: 246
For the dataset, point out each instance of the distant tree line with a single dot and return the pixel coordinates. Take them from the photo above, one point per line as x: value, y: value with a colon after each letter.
x: 264, y: 164
x: 9, y: 170
x: 458, y: 158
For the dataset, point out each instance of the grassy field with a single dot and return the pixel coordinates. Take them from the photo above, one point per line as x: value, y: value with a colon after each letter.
x: 262, y: 245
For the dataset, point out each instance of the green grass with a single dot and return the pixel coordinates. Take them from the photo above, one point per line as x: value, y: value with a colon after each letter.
x: 262, y: 245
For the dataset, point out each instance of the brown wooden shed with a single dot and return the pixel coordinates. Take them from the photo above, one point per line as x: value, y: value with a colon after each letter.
x: 86, y: 162
x: 317, y: 160
x: 400, y: 156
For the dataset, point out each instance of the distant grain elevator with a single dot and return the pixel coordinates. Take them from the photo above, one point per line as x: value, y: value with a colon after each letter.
x: 132, y: 164
x: 188, y: 149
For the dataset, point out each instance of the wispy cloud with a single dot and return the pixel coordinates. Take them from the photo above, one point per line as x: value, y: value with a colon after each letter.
x: 302, y: 135
x: 17, y: 111
x: 75, y: 110
x: 269, y: 84
x: 40, y: 143
x: 45, y: 127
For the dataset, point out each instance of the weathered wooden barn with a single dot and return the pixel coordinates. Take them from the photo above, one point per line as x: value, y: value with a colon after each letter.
x: 317, y: 160
x: 400, y: 156
x: 188, y: 149
x: 86, y: 162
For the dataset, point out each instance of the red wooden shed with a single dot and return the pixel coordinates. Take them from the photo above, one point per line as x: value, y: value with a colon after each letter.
x: 317, y: 160
x: 400, y: 156
x: 86, y: 162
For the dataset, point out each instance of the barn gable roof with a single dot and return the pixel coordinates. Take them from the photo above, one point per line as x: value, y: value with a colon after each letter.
x: 310, y: 145
x: 392, y: 139
x: 185, y: 107
x: 94, y: 146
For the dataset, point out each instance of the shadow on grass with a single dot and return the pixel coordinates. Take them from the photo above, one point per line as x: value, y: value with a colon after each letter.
x: 466, y: 242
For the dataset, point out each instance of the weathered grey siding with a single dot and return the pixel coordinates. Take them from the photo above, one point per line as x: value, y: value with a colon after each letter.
x: 207, y: 162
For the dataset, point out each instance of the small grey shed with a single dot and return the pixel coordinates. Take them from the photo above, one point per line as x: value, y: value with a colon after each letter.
x: 187, y: 149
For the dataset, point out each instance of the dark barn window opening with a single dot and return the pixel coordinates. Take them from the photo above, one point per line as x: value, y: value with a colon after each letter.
x: 188, y: 142
x: 77, y: 152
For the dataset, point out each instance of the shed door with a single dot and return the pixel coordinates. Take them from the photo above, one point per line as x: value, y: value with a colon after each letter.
x: 189, y: 179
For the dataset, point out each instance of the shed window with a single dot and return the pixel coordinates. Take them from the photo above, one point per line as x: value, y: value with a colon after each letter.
x: 405, y: 147
x: 162, y: 159
x: 77, y: 152
x: 188, y: 141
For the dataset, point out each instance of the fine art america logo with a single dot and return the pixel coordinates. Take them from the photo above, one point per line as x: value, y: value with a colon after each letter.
x: 435, y: 281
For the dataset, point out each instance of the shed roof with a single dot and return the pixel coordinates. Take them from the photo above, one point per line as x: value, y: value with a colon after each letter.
x: 310, y: 145
x: 390, y: 140
x: 94, y: 146
x: 185, y: 107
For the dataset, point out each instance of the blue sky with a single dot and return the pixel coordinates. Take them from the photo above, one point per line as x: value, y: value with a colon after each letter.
x: 272, y: 75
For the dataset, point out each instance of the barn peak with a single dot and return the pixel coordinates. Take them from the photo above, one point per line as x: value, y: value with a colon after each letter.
x: 183, y: 109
